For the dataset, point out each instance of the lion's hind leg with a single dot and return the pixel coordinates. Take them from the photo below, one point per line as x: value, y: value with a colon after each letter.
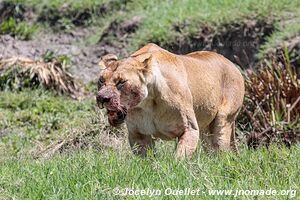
x: 222, y: 131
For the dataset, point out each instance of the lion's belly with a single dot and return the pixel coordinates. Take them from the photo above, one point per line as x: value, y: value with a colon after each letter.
x: 169, y: 130
x: 205, y: 85
x: 206, y: 103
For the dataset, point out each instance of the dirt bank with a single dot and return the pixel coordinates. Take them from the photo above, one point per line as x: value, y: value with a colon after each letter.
x: 238, y: 42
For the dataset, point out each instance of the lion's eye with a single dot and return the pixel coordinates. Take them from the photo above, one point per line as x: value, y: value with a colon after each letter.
x: 120, y: 84
x: 100, y: 81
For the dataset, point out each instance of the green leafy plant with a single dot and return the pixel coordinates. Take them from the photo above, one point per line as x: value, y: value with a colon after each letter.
x: 50, y: 56
x: 21, y: 30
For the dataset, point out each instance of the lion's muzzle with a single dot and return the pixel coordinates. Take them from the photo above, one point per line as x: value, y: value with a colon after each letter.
x: 103, y: 96
x: 110, y: 100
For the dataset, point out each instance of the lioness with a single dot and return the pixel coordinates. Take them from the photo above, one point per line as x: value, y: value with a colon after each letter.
x: 163, y: 95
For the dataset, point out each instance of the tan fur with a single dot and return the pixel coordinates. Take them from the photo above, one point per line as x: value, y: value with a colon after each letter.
x: 188, y: 97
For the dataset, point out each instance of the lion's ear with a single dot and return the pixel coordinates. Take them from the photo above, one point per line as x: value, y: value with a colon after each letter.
x: 107, y: 60
x: 146, y: 60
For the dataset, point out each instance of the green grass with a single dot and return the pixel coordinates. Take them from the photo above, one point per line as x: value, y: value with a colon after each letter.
x: 72, y: 4
x: 285, y: 31
x: 60, y: 15
x: 37, y: 117
x: 94, y: 175
x: 161, y: 16
x: 22, y: 30
x: 29, y: 116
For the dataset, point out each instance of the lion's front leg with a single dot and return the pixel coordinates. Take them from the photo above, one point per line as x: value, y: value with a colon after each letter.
x: 141, y: 144
x: 189, y: 139
x: 187, y: 144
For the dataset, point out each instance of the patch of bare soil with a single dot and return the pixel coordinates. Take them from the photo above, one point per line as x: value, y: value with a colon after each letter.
x: 84, y: 58
x: 4, y: 132
x: 117, y: 35
x: 238, y: 42
x: 17, y: 11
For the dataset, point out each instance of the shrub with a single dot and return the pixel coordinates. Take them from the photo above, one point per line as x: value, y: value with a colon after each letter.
x: 272, y: 101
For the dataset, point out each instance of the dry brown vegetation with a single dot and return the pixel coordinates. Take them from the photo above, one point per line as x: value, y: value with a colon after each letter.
x: 20, y: 72
x: 272, y: 104
x: 94, y: 132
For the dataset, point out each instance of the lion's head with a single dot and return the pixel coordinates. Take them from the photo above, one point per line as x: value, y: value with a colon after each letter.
x: 122, y: 85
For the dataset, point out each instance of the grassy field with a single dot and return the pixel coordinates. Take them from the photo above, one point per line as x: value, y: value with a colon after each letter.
x: 98, y: 175
x: 161, y: 17
x: 29, y: 116
x: 89, y: 168
x: 197, y: 14
x: 55, y: 147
